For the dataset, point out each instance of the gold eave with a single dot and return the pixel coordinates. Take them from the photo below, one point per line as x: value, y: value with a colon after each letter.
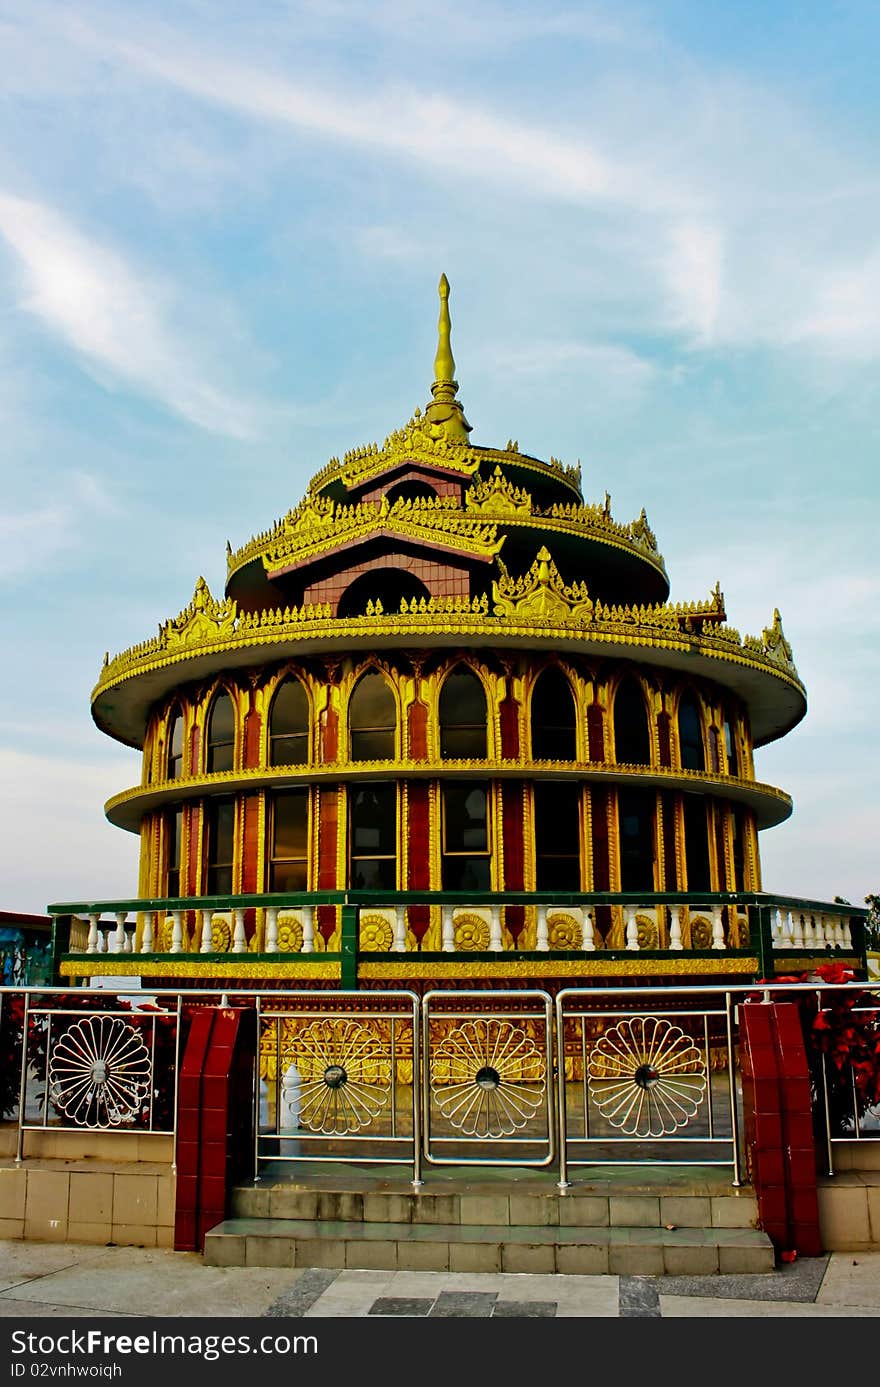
x: 462, y: 546
x: 126, y: 810
x: 133, y: 682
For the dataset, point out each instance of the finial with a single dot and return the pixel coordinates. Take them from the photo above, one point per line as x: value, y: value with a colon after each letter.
x: 444, y: 416
x: 444, y: 363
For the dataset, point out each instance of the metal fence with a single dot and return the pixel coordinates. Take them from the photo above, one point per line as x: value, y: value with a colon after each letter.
x: 596, y: 1077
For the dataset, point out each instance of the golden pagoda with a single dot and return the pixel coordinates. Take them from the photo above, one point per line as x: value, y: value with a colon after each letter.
x: 442, y: 685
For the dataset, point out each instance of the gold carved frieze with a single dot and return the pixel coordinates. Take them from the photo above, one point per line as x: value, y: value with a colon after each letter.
x: 542, y: 595
x: 498, y: 496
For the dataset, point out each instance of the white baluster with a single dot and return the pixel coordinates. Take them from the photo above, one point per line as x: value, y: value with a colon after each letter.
x: 826, y: 931
x: 496, y: 941
x: 308, y: 924
x: 92, y: 944
x: 837, y: 928
x: 147, y: 935
x: 176, y: 932
x: 717, y: 928
x: 588, y: 938
x: 206, y: 945
x: 128, y: 947
x: 117, y: 944
x: 542, y: 938
x: 272, y: 930
x: 632, y: 929
x: 102, y: 941
x: 448, y: 933
x: 776, y: 932
x: 675, y: 941
x: 846, y: 934
x: 797, y: 932
x: 239, y: 938
x: 787, y: 928
x: 399, y: 945
x: 809, y: 933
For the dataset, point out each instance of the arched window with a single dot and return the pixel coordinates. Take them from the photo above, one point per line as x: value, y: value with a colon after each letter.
x: 632, y: 739
x: 636, y: 824
x: 730, y: 747
x: 175, y: 746
x: 553, y: 718
x: 289, y: 725
x: 692, y: 756
x: 462, y: 717
x: 221, y: 734
x: 386, y: 585
x: 372, y: 719
x: 220, y: 845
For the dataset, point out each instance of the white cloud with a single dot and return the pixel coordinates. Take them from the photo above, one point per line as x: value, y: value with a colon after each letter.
x: 694, y: 273
x: 36, y: 535
x: 615, y: 368
x: 87, y: 294
x: 55, y: 844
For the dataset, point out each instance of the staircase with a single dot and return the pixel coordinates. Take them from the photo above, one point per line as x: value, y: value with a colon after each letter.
x: 683, y: 1221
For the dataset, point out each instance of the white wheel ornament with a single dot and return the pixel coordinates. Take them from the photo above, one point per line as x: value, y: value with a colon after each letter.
x: 100, y: 1072
x: 647, y: 1077
x: 488, y: 1078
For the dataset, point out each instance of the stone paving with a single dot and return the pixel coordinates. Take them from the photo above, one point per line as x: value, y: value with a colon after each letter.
x: 66, y: 1279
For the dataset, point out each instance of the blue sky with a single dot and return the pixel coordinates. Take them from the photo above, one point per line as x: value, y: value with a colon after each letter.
x: 221, y: 229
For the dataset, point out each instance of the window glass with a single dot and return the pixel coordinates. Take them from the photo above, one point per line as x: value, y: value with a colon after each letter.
x: 696, y: 844
x: 289, y: 725
x: 690, y: 735
x: 175, y: 835
x: 730, y: 747
x: 462, y: 717
x: 289, y: 846
x: 465, y: 861
x: 175, y: 748
x: 221, y: 835
x: 221, y: 734
x: 632, y: 739
x: 553, y: 718
x: 636, y: 822
x: 372, y: 837
x: 372, y: 718
x: 557, y: 836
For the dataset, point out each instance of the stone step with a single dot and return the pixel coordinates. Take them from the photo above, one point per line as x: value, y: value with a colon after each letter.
x: 390, y: 1246
x: 592, y: 1207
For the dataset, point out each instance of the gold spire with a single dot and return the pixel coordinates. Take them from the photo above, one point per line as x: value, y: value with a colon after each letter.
x: 444, y: 362
x: 444, y: 414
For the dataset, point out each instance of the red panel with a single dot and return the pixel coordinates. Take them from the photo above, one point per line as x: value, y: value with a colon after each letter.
x: 194, y: 742
x: 250, y: 844
x: 193, y: 813
x: 418, y: 852
x: 252, y: 738
x: 601, y: 866
x: 418, y: 731
x: 329, y: 735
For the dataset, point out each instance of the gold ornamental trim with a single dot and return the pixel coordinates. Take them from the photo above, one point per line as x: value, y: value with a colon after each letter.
x: 559, y: 968
x: 318, y: 526
x: 239, y: 966
x: 258, y: 777
x: 208, y: 627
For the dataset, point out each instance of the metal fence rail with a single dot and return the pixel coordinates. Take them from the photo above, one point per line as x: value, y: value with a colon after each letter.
x: 337, y: 1079
x: 635, y: 1081
x: 487, y: 1078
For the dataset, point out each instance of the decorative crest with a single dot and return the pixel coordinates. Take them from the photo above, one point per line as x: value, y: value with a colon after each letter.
x: 205, y: 619
x: 542, y: 595
x: 498, y: 496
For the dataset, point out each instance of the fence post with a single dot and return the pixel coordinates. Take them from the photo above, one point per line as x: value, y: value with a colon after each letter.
x: 349, y: 943
x: 765, y: 941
